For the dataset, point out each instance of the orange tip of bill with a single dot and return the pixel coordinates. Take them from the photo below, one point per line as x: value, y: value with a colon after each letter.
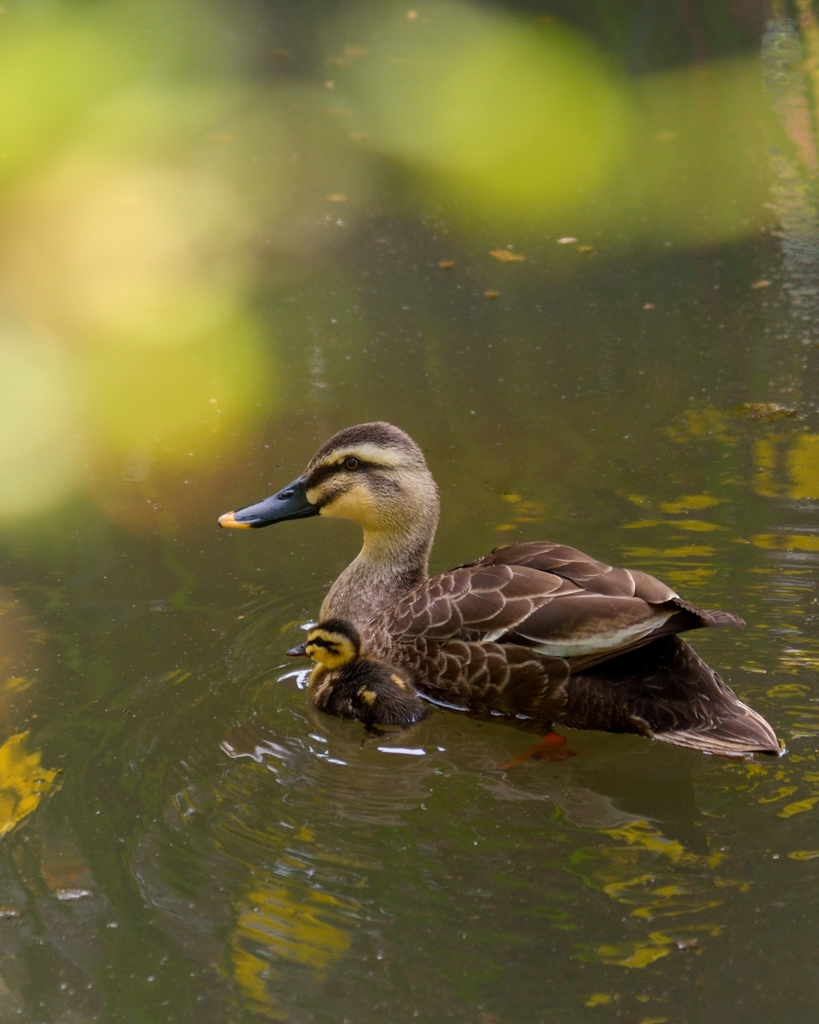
x: 229, y: 520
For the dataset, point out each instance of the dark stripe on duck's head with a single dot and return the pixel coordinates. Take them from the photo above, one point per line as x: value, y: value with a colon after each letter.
x: 369, y: 438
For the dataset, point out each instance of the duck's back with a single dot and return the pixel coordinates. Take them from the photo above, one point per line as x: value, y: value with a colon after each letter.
x: 548, y: 597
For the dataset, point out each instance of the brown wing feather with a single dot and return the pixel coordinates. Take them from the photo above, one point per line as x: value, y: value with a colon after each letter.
x: 503, y: 678
x: 548, y: 596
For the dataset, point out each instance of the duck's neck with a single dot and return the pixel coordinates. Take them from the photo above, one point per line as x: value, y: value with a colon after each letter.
x: 389, y: 565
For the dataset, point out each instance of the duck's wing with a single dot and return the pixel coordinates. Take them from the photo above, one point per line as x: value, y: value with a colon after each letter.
x: 488, y: 677
x: 667, y: 692
x: 547, y: 597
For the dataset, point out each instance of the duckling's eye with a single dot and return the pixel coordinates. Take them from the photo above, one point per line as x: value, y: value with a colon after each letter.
x: 352, y: 462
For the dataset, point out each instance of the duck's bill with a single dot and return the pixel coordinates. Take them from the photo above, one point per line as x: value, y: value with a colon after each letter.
x: 288, y: 503
x: 297, y: 652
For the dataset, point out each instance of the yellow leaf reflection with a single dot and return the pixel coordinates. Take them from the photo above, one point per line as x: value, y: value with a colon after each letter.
x: 292, y: 928
x: 786, y: 542
x: 642, y: 834
x: 292, y: 923
x: 23, y: 781
x: 666, y: 907
x: 690, y: 551
x: 787, y: 690
x: 671, y: 884
x: 778, y: 794
x: 694, y: 525
x: 658, y: 944
x: 252, y: 974
x: 803, y: 463
x: 690, y: 503
x: 598, y: 999
x: 799, y: 807
x: 637, y: 954
x: 804, y: 855
x: 703, y: 422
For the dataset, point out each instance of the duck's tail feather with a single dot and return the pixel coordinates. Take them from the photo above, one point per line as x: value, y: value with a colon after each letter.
x: 707, y: 616
x: 745, y: 732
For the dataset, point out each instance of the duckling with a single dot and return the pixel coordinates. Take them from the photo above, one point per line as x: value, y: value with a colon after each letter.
x: 519, y: 631
x: 348, y: 684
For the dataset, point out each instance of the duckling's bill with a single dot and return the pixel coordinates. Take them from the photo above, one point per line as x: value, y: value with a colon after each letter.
x: 299, y: 651
x: 288, y: 503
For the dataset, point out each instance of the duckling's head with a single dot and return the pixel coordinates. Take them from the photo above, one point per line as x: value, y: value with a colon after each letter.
x: 373, y: 474
x: 332, y: 643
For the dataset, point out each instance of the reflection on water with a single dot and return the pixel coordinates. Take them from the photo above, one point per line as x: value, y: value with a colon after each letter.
x: 224, y: 236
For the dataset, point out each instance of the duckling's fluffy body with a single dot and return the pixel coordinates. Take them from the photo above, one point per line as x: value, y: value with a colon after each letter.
x: 536, y: 630
x: 349, y: 684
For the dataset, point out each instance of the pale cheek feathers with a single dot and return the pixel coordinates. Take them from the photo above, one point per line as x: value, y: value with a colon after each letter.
x: 356, y: 504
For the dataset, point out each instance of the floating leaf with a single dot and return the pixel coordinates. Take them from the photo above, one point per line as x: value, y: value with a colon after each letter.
x: 598, y: 999
x: 804, y: 855
x: 23, y: 781
x: 446, y: 264
x: 764, y: 411
x: 504, y: 256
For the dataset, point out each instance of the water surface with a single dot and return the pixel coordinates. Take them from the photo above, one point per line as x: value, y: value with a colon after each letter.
x: 182, y: 838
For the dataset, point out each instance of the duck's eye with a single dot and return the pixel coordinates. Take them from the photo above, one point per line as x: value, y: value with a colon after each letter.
x: 351, y: 462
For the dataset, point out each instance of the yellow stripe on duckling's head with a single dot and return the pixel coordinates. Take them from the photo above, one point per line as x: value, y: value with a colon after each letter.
x: 333, y: 643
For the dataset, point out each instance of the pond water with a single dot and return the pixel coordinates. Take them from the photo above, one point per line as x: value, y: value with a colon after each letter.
x: 221, y: 246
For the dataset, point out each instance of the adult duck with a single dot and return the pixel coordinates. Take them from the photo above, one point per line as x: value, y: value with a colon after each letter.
x: 527, y: 630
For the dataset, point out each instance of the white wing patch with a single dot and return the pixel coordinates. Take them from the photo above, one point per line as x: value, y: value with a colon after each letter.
x: 609, y: 640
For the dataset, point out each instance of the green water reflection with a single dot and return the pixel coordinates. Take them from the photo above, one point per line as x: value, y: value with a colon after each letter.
x: 226, y: 233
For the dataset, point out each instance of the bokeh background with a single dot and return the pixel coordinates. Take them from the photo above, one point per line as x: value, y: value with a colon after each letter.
x: 572, y: 249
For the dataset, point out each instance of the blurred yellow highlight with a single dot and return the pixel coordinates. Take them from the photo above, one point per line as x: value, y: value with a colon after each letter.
x: 519, y: 120
x: 528, y: 123
x: 128, y: 254
x: 126, y: 271
x: 39, y: 417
